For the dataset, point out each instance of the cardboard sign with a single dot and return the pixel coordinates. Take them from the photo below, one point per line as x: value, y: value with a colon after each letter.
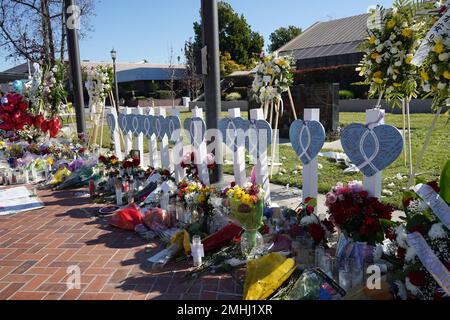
x: 372, y: 150
x: 435, y: 202
x: 429, y: 260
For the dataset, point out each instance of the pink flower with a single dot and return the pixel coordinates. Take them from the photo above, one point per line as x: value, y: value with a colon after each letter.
x: 331, y: 198
x: 356, y: 186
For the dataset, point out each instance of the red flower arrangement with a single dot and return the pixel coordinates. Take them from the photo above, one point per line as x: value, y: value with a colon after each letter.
x: 15, y: 117
x: 14, y: 114
x: 190, y: 163
x: 356, y: 214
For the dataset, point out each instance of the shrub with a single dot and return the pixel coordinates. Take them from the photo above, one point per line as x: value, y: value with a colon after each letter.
x: 233, y: 96
x: 346, y: 94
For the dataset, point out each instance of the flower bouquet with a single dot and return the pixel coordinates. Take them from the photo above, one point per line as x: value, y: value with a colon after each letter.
x: 360, y: 220
x: 417, y: 263
x: 247, y: 208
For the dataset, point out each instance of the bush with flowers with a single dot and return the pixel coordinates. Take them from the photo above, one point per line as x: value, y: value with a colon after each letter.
x: 357, y: 215
x: 190, y: 164
x: 273, y: 77
x: 389, y: 50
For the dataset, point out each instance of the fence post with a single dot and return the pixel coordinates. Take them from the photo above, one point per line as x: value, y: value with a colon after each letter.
x: 262, y: 168
x: 202, y: 151
x: 113, y: 122
x: 374, y: 118
x: 152, y: 144
x: 178, y: 152
x: 310, y: 171
x: 240, y: 175
x: 139, y: 138
x: 128, y: 135
x: 164, y: 146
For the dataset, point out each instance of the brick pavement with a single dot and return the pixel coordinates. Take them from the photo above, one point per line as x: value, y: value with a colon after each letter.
x: 38, y: 247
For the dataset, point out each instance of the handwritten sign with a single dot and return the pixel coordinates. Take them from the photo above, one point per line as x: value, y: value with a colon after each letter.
x: 430, y: 261
x: 441, y: 27
x: 435, y: 202
x: 307, y: 139
x: 372, y: 150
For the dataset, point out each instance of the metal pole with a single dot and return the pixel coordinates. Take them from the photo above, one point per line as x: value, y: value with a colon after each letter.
x: 116, y: 84
x: 210, y: 25
x: 71, y: 12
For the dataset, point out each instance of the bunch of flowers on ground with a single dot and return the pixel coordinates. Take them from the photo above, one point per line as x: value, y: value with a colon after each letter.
x: 305, y: 221
x: 418, y: 282
x: 273, y: 77
x: 356, y: 214
x: 389, y: 50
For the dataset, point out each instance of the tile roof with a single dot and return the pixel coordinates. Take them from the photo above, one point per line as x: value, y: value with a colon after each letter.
x: 329, y: 38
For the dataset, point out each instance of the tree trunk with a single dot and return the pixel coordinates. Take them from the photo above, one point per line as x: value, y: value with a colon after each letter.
x: 47, y: 35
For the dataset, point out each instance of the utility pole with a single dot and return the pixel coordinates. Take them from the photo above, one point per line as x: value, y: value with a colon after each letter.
x: 72, y: 20
x: 210, y: 28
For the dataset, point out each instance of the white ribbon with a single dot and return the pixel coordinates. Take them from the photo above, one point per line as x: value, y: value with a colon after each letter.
x: 368, y: 161
x: 430, y: 261
x: 308, y: 144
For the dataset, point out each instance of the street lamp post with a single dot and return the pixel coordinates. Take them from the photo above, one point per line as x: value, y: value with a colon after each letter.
x: 116, y: 84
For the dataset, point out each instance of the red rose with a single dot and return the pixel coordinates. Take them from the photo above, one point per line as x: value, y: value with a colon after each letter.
x: 390, y: 234
x: 308, y: 200
x: 233, y: 184
x: 363, y: 194
x: 407, y: 202
x: 418, y: 229
x: 310, y: 210
x: 136, y: 162
x: 401, y: 253
x: 316, y: 231
x: 417, y: 278
x: 102, y: 159
x: 435, y: 186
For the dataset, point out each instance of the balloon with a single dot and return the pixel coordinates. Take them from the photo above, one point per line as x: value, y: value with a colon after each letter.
x: 17, y: 86
x: 4, y: 100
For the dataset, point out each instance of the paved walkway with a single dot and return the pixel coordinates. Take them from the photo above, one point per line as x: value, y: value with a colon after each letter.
x: 37, y: 247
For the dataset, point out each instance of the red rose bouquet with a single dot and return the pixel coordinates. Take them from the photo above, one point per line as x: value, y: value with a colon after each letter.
x: 356, y: 214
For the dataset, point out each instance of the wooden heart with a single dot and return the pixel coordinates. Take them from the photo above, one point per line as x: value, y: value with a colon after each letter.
x: 159, y: 127
x: 196, y: 129
x: 307, y: 139
x: 258, y: 137
x: 231, y: 129
x: 111, y: 120
x: 372, y: 150
x: 148, y: 127
x: 173, y: 128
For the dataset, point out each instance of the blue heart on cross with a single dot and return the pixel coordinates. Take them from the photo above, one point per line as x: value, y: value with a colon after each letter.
x: 372, y: 150
x: 173, y: 128
x: 307, y: 139
x: 111, y: 120
x: 196, y: 129
x: 233, y: 129
x: 259, y: 136
x: 159, y: 127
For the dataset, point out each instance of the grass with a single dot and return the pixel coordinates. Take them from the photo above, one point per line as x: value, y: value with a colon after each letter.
x: 438, y: 153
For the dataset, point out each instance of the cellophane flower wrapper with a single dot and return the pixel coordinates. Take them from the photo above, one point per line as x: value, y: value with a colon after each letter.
x: 248, y: 220
x: 360, y: 252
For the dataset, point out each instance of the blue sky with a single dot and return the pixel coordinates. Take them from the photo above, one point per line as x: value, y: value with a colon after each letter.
x: 146, y: 29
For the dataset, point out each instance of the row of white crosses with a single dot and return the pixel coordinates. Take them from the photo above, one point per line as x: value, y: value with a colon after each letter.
x: 307, y: 138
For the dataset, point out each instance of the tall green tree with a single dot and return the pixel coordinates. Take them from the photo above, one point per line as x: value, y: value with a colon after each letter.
x: 281, y: 36
x: 235, y: 36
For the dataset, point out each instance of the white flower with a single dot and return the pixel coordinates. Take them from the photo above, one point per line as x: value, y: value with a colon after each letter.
x: 444, y: 56
x: 379, y: 60
x: 437, y: 232
x: 426, y: 87
x: 380, y: 47
x: 441, y: 85
x: 402, y: 238
x: 434, y: 67
x: 412, y: 288
x: 394, y: 50
x: 410, y: 254
x: 306, y: 221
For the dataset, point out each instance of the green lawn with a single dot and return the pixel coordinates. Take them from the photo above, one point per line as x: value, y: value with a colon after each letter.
x: 437, y: 154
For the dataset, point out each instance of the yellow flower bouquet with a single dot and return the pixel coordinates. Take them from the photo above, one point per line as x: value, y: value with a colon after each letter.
x: 247, y: 209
